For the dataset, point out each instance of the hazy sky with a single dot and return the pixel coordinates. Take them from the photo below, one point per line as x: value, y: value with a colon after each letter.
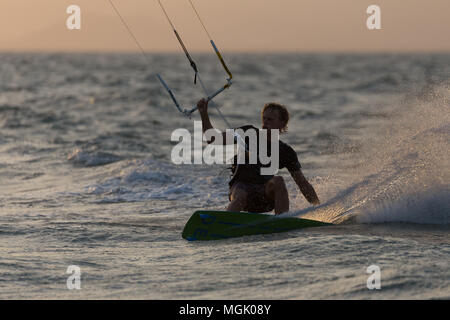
x: 235, y: 25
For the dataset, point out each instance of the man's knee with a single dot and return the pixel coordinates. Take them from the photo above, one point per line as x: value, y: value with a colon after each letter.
x: 275, y: 185
x: 239, y: 194
x: 238, y: 200
x: 277, y: 182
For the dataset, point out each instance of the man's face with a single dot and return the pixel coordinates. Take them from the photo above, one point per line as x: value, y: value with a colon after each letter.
x: 271, y: 120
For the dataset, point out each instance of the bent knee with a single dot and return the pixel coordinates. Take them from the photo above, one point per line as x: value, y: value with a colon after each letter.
x: 277, y: 181
x: 239, y: 194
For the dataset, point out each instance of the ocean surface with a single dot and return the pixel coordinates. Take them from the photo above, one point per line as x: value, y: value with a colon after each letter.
x: 87, y: 178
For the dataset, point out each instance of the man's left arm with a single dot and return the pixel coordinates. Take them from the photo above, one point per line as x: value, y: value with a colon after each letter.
x: 305, y: 187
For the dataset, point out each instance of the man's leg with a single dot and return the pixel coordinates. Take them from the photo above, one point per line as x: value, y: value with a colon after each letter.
x: 276, y: 191
x: 238, y: 199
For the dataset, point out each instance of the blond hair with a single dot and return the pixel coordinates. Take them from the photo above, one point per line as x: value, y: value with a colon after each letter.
x: 283, y: 113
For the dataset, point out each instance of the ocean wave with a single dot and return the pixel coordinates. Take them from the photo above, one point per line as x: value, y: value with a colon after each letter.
x: 152, y: 179
x: 431, y: 207
x: 400, y: 173
x: 384, y: 83
x: 91, y: 159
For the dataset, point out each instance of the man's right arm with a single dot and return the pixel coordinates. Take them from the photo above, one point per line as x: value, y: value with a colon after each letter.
x: 202, y: 106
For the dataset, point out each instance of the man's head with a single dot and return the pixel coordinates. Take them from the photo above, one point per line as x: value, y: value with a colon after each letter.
x: 275, y: 116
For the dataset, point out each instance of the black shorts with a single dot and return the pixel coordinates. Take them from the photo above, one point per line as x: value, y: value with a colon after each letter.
x: 257, y: 201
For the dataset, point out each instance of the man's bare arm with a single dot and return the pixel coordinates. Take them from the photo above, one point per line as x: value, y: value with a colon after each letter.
x: 202, y: 106
x: 305, y: 187
x: 206, y: 123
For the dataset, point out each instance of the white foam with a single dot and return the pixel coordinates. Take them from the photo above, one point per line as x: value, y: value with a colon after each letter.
x: 424, y: 208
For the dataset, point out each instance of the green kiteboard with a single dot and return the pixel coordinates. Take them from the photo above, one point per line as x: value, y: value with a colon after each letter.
x: 214, y: 225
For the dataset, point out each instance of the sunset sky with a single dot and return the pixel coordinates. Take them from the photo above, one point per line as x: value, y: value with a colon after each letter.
x: 235, y: 25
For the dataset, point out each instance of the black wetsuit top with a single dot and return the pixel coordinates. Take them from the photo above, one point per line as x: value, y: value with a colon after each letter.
x: 251, y: 173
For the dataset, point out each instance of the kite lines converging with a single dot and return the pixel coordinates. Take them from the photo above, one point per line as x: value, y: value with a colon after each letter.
x: 209, y: 97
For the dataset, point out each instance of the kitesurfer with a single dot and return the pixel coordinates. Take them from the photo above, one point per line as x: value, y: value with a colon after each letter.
x: 250, y: 191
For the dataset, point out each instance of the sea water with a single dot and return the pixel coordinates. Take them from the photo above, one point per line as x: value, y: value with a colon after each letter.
x: 87, y: 178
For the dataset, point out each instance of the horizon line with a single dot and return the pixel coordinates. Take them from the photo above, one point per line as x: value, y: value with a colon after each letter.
x: 233, y: 52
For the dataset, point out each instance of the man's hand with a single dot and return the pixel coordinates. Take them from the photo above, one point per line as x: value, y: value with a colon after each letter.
x: 313, y: 199
x: 202, y: 106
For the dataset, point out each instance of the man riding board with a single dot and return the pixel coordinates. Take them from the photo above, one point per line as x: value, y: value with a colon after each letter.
x: 249, y: 190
